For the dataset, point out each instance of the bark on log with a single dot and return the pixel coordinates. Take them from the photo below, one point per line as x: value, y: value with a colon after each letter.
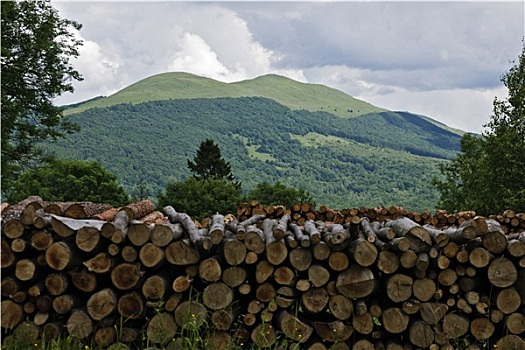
x: 139, y: 209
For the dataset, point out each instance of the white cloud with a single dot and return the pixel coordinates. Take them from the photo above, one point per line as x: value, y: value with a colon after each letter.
x: 442, y: 59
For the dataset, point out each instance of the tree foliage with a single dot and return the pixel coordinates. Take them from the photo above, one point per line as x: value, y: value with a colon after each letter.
x: 279, y: 194
x: 487, y: 175
x: 70, y: 181
x: 36, y: 48
x: 208, y: 163
x: 201, y: 198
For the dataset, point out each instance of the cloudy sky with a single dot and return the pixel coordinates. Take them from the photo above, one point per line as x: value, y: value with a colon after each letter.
x: 440, y: 59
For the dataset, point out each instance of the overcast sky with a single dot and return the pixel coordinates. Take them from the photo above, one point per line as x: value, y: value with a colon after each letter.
x: 440, y: 59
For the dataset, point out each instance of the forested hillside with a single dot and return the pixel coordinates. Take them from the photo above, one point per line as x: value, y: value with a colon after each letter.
x: 381, y: 158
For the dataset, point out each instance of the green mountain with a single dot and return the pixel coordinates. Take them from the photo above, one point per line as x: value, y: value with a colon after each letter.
x: 270, y: 128
x: 288, y: 92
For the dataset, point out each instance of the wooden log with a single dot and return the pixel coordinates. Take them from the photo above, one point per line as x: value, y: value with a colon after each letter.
x: 263, y: 335
x: 418, y: 236
x: 12, y: 314
x: 79, y: 324
x: 300, y: 236
x: 181, y: 253
x: 220, y: 340
x: 223, y: 320
x: 217, y: 296
x: 26, y: 269
x: 151, y: 256
x: 139, y: 209
x: 189, y: 226
x: 139, y: 233
x: 234, y: 251
x: 421, y: 334
x: 281, y: 228
x: 515, y: 323
x: 56, y: 283
x: 276, y: 250
x: 13, y: 228
x: 210, y: 269
x: 161, y: 328
x: 424, y: 288
x: 255, y: 239
x: 311, y: 229
x: 234, y: 276
x: 164, y: 234
x: 481, y: 328
x: 341, y: 307
x: 84, y: 210
x: 502, y: 273
x: 508, y: 300
x: 315, y: 300
x: 100, y: 263
x: 102, y: 304
x: 510, y: 341
x: 265, y: 292
x: 131, y: 306
x: 7, y: 257
x: 300, y: 258
x: 292, y: 327
x: 334, y: 332
x: 356, y: 282
x: 432, y: 313
x: 387, y: 262
x: 84, y: 280
x: 399, y: 287
x: 395, y: 320
x: 129, y: 253
x: 126, y: 276
x: 65, y: 303
x: 105, y: 336
x: 190, y: 311
x: 455, y: 325
x: 62, y: 255
x: 321, y: 251
x: 283, y: 275
x: 318, y: 275
x: 362, y: 252
x: 363, y: 323
x: 217, y: 228
x: 41, y: 240
x: 337, y: 237
x: 338, y: 261
x: 10, y: 286
x: 155, y: 287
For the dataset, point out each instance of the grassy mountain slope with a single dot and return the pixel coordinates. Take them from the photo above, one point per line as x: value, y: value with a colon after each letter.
x: 288, y: 92
x: 382, y: 158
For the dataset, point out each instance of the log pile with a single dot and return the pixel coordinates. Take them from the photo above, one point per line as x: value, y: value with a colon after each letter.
x: 380, y: 278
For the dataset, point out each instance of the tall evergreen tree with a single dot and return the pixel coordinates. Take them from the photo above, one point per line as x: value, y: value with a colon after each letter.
x: 37, y: 46
x: 208, y: 163
x: 487, y: 176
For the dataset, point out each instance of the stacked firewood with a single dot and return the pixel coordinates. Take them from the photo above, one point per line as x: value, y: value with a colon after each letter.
x: 380, y: 278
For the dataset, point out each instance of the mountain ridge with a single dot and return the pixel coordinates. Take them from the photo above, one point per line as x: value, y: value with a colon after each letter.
x: 286, y: 91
